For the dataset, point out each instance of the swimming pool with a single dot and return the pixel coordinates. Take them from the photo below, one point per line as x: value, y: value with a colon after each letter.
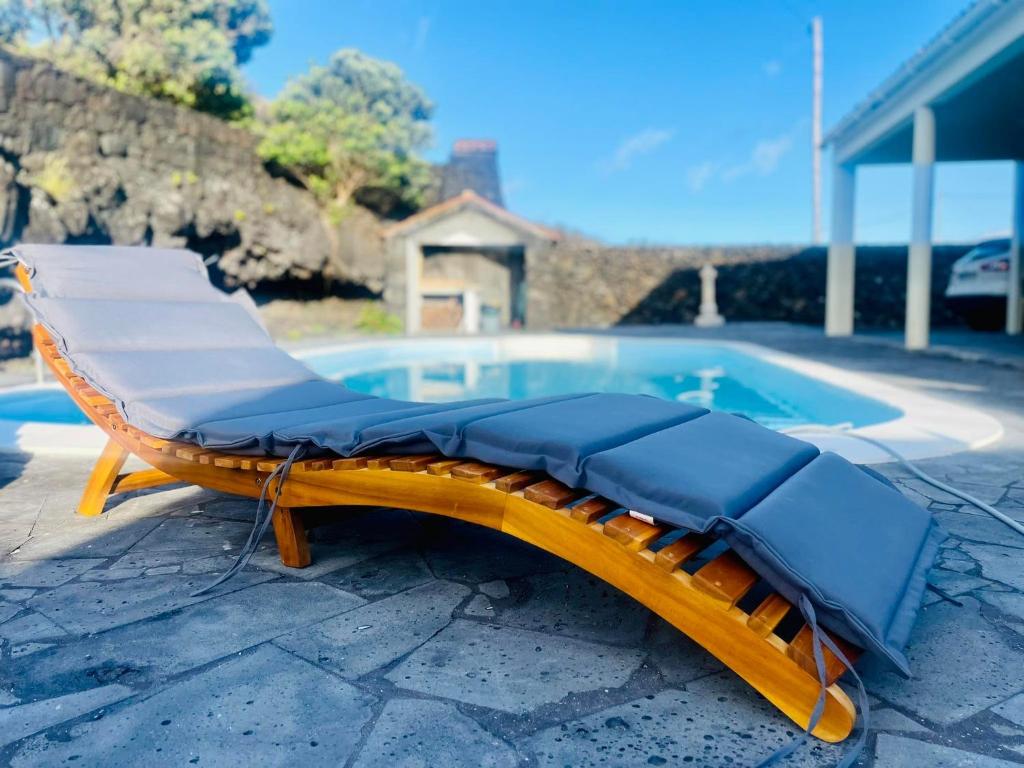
x: 777, y: 390
x: 715, y: 376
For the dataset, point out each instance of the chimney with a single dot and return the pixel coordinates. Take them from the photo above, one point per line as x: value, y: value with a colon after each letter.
x: 473, y: 165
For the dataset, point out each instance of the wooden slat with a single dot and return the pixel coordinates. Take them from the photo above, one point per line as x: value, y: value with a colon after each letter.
x: 357, y: 462
x: 725, y: 578
x: 516, y: 481
x: 632, y: 533
x: 381, y: 462
x: 768, y: 614
x: 189, y: 453
x: 592, y: 509
x: 209, y: 457
x: 412, y: 463
x: 227, y: 462
x: 681, y: 550
x: 443, y: 467
x: 801, y: 650
x: 267, y: 465
x: 474, y: 472
x: 551, y: 493
x: 156, y: 443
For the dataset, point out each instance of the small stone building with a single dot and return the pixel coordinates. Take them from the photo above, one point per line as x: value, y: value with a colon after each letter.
x: 462, y: 263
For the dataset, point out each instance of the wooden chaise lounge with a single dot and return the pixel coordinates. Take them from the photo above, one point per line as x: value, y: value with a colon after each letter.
x: 703, y: 598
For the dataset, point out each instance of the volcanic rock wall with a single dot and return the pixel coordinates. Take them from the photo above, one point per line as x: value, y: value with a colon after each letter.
x: 80, y: 163
x: 580, y: 285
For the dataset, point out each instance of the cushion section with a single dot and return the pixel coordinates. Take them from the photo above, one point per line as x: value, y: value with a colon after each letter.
x: 714, y: 465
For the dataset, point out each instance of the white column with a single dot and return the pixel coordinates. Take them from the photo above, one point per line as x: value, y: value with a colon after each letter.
x: 839, y: 285
x: 413, y: 297
x: 1014, y: 309
x: 919, y: 263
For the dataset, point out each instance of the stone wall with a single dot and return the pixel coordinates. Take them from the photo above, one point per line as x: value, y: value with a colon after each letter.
x: 80, y: 163
x: 579, y: 285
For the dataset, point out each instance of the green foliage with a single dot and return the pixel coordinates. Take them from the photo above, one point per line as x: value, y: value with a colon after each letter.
x: 186, y: 51
x: 353, y: 124
x: 375, y: 319
x: 55, y: 179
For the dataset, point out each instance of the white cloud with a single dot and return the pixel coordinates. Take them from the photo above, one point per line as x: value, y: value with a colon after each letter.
x: 419, y: 37
x: 763, y: 160
x: 768, y: 152
x: 699, y: 175
x: 642, y: 143
x: 772, y: 68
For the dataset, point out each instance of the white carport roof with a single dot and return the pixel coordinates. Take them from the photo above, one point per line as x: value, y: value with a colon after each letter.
x: 971, y: 75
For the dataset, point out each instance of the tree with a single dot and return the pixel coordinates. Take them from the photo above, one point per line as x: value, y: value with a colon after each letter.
x: 352, y: 125
x: 187, y: 51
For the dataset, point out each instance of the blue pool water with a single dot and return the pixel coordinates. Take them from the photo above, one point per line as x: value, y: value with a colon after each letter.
x: 718, y: 377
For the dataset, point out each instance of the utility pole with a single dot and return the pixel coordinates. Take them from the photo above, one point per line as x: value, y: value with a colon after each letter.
x: 818, y: 64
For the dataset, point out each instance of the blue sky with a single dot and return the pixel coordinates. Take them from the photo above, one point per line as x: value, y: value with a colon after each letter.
x: 674, y: 121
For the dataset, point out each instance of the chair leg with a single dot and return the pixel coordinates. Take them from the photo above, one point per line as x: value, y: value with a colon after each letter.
x: 290, y: 532
x: 102, y: 479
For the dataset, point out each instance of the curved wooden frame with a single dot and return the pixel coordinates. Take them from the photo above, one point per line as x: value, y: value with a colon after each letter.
x: 643, y: 560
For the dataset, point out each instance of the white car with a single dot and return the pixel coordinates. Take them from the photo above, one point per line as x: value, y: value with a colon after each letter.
x: 978, y: 285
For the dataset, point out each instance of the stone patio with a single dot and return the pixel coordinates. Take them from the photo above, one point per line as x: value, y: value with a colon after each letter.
x: 419, y: 641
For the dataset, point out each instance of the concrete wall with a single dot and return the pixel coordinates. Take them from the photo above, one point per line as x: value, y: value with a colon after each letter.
x: 579, y: 285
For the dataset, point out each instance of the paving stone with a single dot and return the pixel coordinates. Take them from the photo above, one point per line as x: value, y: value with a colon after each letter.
x: 80, y: 537
x: 978, y: 528
x: 189, y: 638
x: 111, y: 574
x: 326, y: 558
x: 900, y: 752
x: 8, y: 610
x: 512, y: 670
x: 944, y: 689
x: 576, y: 604
x: 25, y: 719
x: 677, y: 657
x: 409, y: 732
x: 471, y: 554
x: 383, y: 576
x: 44, y: 573
x: 266, y: 708
x: 986, y: 492
x: 497, y: 589
x: 7, y: 698
x: 1009, y: 604
x: 1012, y: 709
x: 226, y: 508
x: 24, y: 649
x: 1007, y: 730
x: 16, y: 595
x: 13, y: 535
x: 956, y: 583
x: 891, y: 720
x: 716, y: 721
x: 163, y: 570
x: 1003, y: 564
x: 360, y: 641
x: 29, y: 627
x: 21, y: 511
x: 480, y: 607
x: 94, y: 606
x: 194, y: 536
